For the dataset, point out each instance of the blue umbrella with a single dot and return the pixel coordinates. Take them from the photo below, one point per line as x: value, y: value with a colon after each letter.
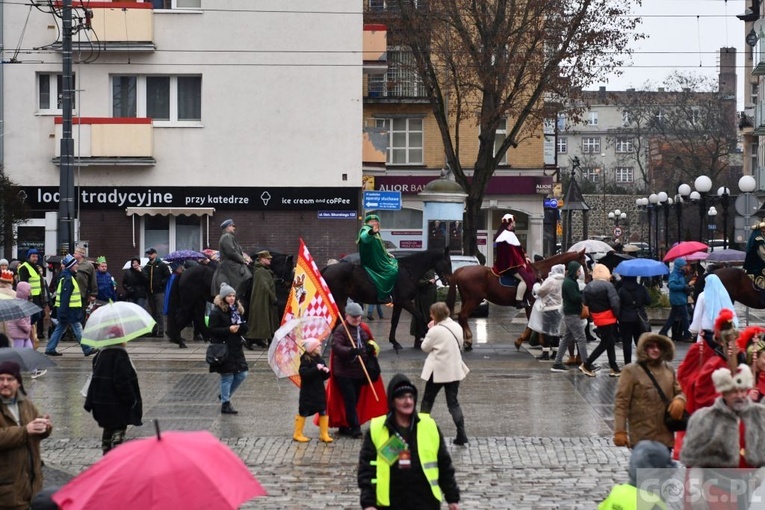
x: 641, y: 267
x: 184, y: 255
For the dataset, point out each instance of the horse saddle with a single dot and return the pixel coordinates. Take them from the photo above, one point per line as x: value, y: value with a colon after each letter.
x: 508, y: 280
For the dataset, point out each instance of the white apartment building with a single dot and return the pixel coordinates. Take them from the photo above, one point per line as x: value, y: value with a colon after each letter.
x: 188, y: 112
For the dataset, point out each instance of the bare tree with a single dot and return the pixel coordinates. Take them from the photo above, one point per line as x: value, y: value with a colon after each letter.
x: 13, y: 210
x: 509, y: 63
x: 683, y: 130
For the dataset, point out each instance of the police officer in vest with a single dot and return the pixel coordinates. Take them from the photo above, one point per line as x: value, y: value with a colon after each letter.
x: 31, y: 272
x: 404, y: 463
x: 69, y: 304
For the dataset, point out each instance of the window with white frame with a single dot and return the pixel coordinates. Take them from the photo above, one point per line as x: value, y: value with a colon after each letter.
x: 50, y: 93
x: 499, y: 138
x: 173, y: 99
x: 591, y: 174
x: 170, y: 233
x: 562, y: 144
x: 625, y: 174
x: 591, y: 145
x: 695, y: 115
x: 592, y: 119
x: 177, y: 4
x: 405, y: 140
x: 624, y: 145
x: 660, y: 116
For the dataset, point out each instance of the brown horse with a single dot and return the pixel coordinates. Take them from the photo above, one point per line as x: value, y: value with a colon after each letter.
x: 476, y: 283
x: 740, y: 287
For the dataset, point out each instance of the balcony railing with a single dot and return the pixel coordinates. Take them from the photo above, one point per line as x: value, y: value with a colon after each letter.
x: 400, y: 81
x: 104, y: 141
x: 117, y: 26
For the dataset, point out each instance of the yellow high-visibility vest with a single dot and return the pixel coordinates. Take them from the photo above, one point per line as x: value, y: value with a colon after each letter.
x: 75, y: 300
x: 35, y: 281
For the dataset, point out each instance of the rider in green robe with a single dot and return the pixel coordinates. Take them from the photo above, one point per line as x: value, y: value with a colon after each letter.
x: 754, y: 263
x: 381, y: 266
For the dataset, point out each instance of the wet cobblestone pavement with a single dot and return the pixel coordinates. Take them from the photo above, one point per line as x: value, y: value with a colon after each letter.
x: 538, y: 439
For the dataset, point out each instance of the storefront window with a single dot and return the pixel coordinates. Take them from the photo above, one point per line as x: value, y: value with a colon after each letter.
x: 157, y: 234
x: 405, y: 218
x: 170, y: 233
x: 187, y: 233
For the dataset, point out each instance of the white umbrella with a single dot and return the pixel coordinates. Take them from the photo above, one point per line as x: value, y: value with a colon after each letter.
x: 116, y: 323
x: 144, y: 261
x: 591, y: 246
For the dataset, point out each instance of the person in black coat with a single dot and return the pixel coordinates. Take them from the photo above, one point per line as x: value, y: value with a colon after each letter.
x: 134, y: 283
x: 634, y: 298
x: 227, y: 327
x: 114, y: 397
x: 313, y: 397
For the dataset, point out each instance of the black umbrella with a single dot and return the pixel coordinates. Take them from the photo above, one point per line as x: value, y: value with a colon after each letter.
x: 28, y: 359
x: 613, y: 259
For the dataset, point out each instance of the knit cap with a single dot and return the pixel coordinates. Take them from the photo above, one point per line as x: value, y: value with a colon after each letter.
x: 226, y: 290
x: 310, y: 344
x: 12, y: 368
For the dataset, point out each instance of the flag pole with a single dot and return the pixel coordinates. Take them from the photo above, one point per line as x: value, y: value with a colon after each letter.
x: 363, y: 366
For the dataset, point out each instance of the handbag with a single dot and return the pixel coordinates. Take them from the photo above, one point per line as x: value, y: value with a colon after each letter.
x: 643, y: 322
x: 672, y: 424
x: 216, y: 354
x: 585, y: 313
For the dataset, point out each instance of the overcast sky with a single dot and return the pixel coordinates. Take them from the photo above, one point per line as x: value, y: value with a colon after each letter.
x: 681, y: 35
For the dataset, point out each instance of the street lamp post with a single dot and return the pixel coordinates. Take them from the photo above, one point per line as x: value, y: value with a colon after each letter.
x: 664, y: 202
x: 702, y: 184
x: 711, y: 213
x: 747, y: 184
x: 653, y: 199
x: 683, y: 192
x: 641, y: 204
x: 724, y: 194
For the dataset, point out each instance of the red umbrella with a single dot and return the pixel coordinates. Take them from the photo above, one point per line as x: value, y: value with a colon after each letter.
x: 190, y: 470
x: 683, y: 249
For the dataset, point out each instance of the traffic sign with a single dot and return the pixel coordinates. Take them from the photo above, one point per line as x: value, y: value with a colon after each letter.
x: 617, y: 232
x: 747, y: 204
x: 386, y: 200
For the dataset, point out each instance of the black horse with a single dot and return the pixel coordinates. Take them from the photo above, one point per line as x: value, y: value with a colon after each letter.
x: 348, y: 280
x: 194, y: 285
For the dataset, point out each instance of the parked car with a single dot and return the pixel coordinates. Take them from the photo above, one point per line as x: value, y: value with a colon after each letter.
x: 459, y: 261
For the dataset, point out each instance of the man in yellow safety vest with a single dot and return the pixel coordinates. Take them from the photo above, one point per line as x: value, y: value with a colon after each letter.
x: 69, y: 305
x: 30, y: 271
x: 404, y: 463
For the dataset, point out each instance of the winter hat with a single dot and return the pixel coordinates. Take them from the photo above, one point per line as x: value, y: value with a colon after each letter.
x: 354, y: 310
x: 601, y: 272
x: 649, y: 455
x: 6, y: 276
x: 68, y: 262
x: 12, y: 368
x: 310, y: 344
x: 226, y: 290
x: 725, y: 381
x: 4, y: 262
x: 31, y: 252
x: 680, y: 262
x: 23, y: 290
x: 398, y: 386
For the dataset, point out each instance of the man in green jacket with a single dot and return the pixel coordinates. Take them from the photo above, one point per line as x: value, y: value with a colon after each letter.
x: 572, y: 309
x: 381, y: 266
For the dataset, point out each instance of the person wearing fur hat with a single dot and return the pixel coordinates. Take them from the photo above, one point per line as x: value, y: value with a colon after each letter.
x: 227, y: 327
x: 638, y: 403
x: 70, y: 308
x: 381, y: 266
x: 601, y: 297
x: 22, y: 429
x: 731, y: 432
x: 313, y: 398
x: 404, y: 463
x: 512, y: 259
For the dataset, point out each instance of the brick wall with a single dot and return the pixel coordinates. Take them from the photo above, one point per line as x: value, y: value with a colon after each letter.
x: 111, y: 234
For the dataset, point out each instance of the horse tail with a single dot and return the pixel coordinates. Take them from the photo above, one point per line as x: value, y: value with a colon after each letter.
x: 451, y: 296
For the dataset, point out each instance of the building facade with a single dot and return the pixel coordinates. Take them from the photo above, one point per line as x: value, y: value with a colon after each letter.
x: 188, y: 112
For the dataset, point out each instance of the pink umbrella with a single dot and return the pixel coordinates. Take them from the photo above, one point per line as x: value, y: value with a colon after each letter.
x: 190, y: 470
x: 699, y: 255
x: 683, y: 249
